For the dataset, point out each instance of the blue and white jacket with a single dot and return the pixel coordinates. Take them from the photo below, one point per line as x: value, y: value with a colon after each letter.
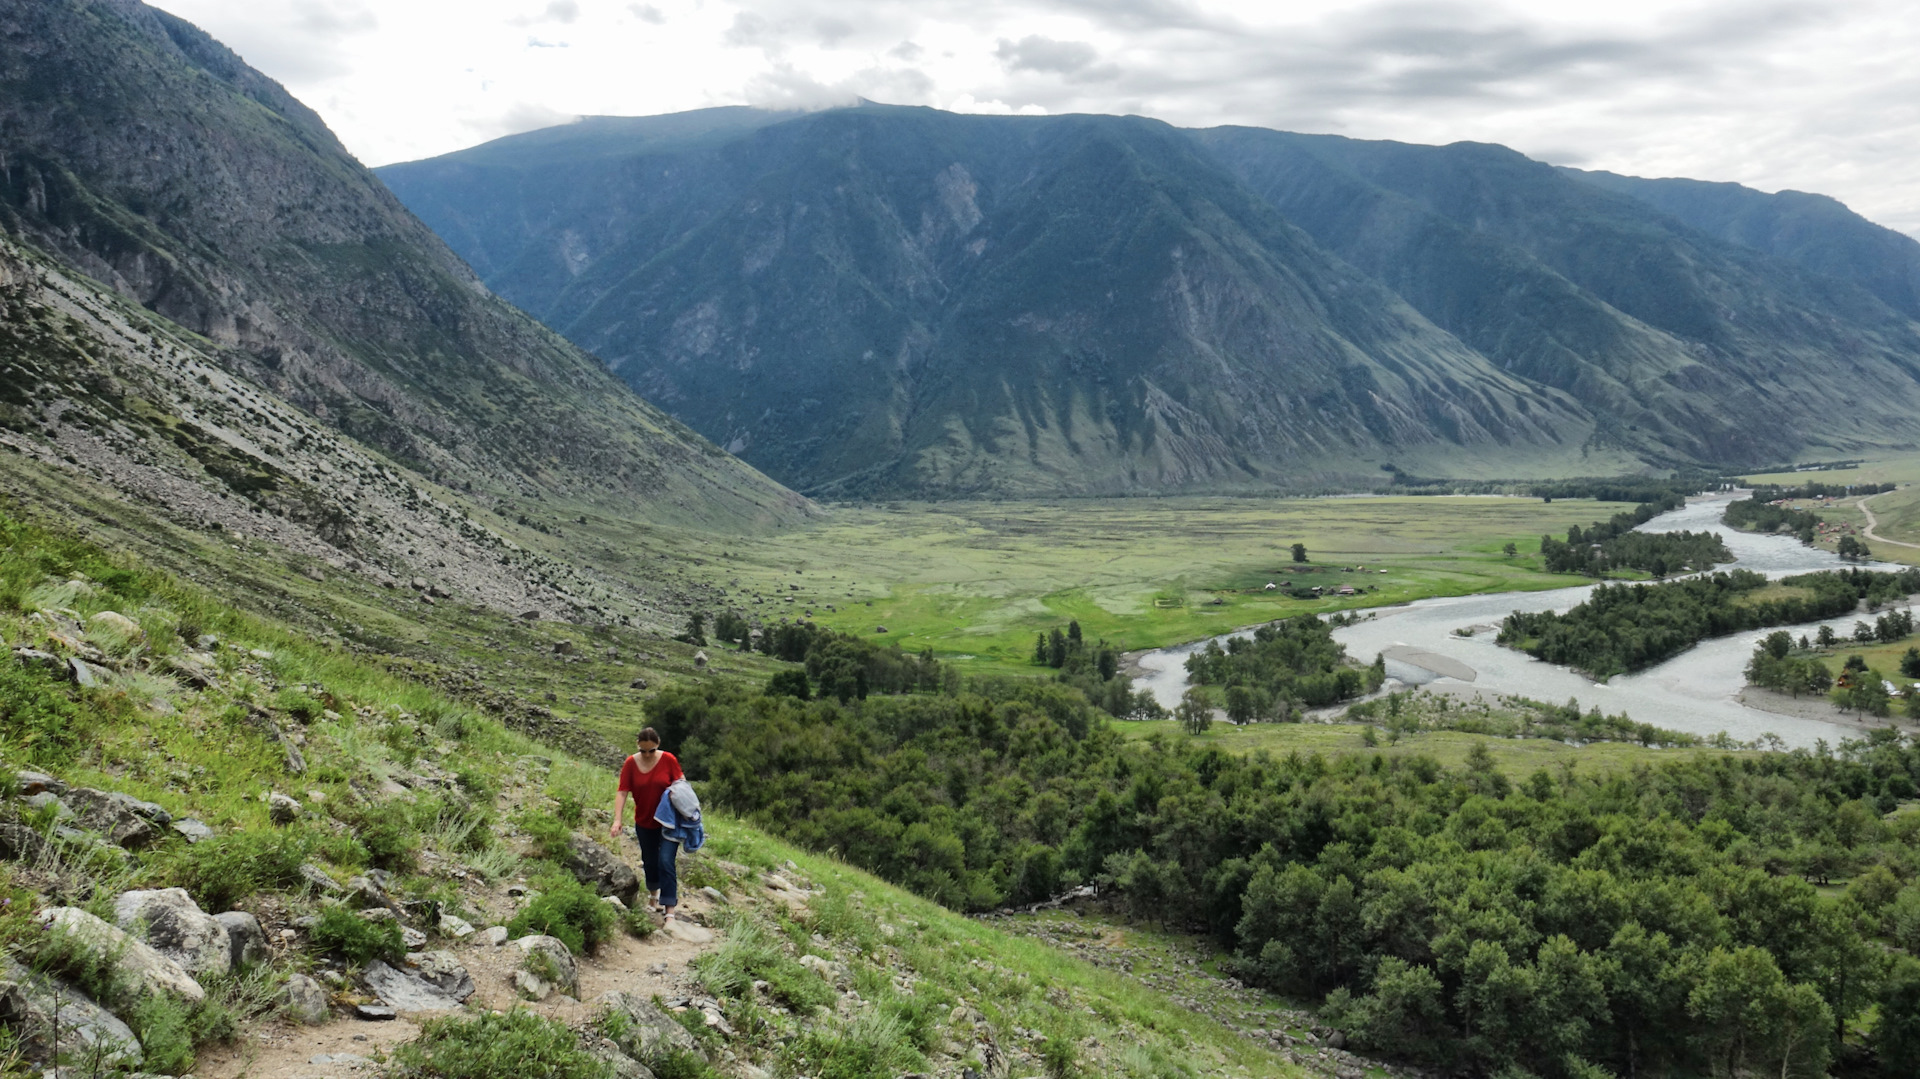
x: 679, y: 816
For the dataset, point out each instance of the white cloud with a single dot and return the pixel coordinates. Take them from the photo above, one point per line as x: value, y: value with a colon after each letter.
x: 1821, y: 96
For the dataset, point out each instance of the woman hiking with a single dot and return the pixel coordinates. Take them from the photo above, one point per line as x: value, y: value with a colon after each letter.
x: 646, y: 775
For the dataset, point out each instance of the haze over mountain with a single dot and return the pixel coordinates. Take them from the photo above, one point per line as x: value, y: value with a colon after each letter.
x: 211, y: 306
x: 883, y: 301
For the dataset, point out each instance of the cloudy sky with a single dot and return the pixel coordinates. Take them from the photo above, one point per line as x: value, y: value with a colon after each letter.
x: 1818, y: 96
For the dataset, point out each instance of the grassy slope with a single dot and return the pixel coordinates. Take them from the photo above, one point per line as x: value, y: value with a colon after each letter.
x: 200, y: 754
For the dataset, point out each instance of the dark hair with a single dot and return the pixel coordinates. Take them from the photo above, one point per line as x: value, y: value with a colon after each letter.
x: 648, y: 734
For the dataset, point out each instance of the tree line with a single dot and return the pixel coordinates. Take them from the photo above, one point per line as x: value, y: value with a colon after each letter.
x: 1626, y: 627
x: 1652, y: 921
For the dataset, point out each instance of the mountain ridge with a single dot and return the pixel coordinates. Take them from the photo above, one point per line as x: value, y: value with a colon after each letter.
x: 1641, y: 340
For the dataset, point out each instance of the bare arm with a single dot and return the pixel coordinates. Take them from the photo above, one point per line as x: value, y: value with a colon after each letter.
x: 619, y: 811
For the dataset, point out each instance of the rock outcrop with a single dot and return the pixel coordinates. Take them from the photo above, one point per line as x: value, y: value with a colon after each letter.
x: 144, y: 968
x: 171, y: 923
x: 38, y: 1009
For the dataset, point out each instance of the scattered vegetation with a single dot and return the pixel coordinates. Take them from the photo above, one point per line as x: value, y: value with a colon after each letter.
x: 1613, y: 545
x: 1281, y: 667
x: 515, y: 1042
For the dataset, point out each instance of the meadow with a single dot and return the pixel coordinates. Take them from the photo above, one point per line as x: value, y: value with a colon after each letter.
x: 977, y: 581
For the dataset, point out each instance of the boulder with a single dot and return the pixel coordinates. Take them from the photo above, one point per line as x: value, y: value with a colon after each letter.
x: 146, y: 969
x: 441, y: 970
x: 38, y: 783
x: 36, y: 1007
x: 282, y: 809
x: 699, y: 659
x: 126, y: 821
x: 645, y: 1031
x: 319, y: 880
x: 45, y: 662
x: 548, y: 958
x: 18, y: 841
x: 84, y: 675
x: 618, y: 1064
x: 248, y: 939
x: 193, y: 831
x: 307, y: 1001
x: 171, y: 924
x: 494, y: 936
x: 595, y: 865
x: 405, y: 991
x: 455, y: 928
x: 531, y: 986
x: 117, y: 624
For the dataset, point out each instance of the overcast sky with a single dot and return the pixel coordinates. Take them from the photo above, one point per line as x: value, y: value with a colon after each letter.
x: 1817, y: 96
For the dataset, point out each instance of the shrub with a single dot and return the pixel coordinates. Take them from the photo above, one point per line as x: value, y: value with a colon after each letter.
x: 569, y: 912
x: 751, y: 953
x: 299, y: 704
x: 517, y: 1042
x: 569, y: 809
x: 221, y: 871
x: 353, y: 938
x: 548, y: 834
x: 680, y: 1064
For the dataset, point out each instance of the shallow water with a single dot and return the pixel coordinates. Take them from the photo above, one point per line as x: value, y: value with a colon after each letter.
x: 1691, y: 692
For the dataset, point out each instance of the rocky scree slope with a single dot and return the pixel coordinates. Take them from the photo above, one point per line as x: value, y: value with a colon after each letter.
x: 886, y: 300
x: 390, y: 870
x: 140, y: 152
x: 94, y: 386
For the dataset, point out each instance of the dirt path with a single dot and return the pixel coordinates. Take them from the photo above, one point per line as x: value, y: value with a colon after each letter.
x: 1872, y: 523
x: 343, y: 1047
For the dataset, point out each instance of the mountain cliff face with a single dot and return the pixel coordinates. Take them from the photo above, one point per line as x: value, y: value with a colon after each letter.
x: 879, y: 300
x: 140, y: 152
x: 1705, y: 350
x: 883, y: 300
x: 1814, y: 232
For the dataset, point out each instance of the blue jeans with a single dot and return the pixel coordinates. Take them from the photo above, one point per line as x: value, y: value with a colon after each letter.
x: 657, y: 855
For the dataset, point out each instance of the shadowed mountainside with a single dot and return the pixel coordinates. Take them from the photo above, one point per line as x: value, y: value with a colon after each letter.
x: 885, y: 300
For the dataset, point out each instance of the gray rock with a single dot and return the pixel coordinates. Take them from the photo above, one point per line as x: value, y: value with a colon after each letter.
x: 682, y: 930
x: 699, y: 659
x: 36, y: 1007
x: 619, y: 1065
x: 249, y: 940
x: 595, y: 865
x: 549, y: 959
x: 194, y: 831
x: 148, y: 971
x: 455, y: 928
x: 374, y: 1012
x: 125, y: 821
x: 531, y: 986
x: 715, y: 894
x: 282, y: 809
x: 648, y: 1031
x: 34, y: 659
x: 494, y: 936
x: 173, y: 925
x: 84, y: 675
x: 318, y: 878
x: 307, y: 1001
x: 39, y: 802
x: 404, y: 991
x: 38, y: 783
x: 17, y: 840
x: 441, y: 970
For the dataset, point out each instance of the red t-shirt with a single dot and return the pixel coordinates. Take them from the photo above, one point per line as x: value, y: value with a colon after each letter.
x: 648, y: 786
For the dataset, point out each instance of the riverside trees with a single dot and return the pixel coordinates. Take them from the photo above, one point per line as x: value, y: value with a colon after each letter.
x: 1647, y: 922
x: 1623, y: 628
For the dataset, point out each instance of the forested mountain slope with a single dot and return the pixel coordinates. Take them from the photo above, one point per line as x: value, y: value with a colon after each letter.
x: 884, y: 300
x: 138, y: 151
